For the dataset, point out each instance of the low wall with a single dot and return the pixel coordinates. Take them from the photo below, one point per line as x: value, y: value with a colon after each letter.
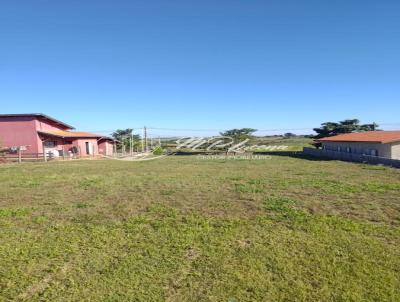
x: 375, y: 160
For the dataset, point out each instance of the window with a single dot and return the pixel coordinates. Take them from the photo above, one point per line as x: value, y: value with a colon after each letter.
x: 50, y: 144
x: 348, y: 150
x: 374, y: 152
x: 68, y: 142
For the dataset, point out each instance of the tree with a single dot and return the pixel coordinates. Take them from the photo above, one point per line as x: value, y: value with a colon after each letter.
x: 239, y: 135
x: 289, y: 135
x: 346, y: 126
x: 124, y: 137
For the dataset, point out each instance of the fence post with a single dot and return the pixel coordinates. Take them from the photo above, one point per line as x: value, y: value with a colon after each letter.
x: 44, y: 153
x: 19, y: 154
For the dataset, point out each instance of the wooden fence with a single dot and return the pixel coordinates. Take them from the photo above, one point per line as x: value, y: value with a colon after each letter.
x: 354, y: 157
x: 31, y: 157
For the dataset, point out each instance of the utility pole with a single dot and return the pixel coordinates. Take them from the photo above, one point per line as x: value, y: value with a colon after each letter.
x: 131, y: 146
x: 145, y: 139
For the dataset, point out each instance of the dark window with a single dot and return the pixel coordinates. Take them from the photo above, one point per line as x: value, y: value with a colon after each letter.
x: 374, y: 152
x: 68, y: 142
x: 50, y: 144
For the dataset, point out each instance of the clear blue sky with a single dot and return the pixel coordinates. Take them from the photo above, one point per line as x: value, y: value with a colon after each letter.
x: 201, y: 64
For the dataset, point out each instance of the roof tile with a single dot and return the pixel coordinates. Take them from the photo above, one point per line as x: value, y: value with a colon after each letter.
x: 70, y: 134
x: 369, y: 136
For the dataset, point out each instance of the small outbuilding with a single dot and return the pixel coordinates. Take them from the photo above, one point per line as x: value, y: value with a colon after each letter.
x: 384, y: 144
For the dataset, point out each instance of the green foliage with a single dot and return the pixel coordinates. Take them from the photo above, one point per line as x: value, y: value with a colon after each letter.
x: 239, y: 134
x: 289, y: 135
x: 251, y: 186
x: 125, y: 137
x: 278, y: 204
x: 158, y: 150
x: 346, y: 126
x: 14, y: 212
x: 84, y: 205
x: 88, y: 183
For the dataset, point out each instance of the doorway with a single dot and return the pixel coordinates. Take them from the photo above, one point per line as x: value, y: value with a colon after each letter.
x: 88, y: 149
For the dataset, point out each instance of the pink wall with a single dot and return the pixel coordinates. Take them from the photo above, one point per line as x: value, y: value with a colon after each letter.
x: 106, y: 147
x: 81, y: 145
x: 18, y: 131
x: 60, y: 143
x: 48, y: 125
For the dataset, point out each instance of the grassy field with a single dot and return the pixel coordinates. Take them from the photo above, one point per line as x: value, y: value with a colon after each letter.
x: 191, y: 229
x: 293, y: 143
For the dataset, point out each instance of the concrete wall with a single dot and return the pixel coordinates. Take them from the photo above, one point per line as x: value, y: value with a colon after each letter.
x: 395, y: 150
x: 384, y: 150
x: 352, y: 157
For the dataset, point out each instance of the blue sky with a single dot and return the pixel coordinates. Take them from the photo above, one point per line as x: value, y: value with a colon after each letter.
x: 268, y: 64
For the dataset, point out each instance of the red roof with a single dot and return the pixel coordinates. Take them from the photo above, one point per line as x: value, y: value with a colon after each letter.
x: 369, y: 136
x: 68, y: 134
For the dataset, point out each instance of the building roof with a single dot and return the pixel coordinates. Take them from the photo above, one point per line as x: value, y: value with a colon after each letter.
x: 368, y: 137
x: 108, y: 138
x: 69, y: 134
x: 40, y: 115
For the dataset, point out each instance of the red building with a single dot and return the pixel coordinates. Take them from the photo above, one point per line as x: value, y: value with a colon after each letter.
x: 39, y: 133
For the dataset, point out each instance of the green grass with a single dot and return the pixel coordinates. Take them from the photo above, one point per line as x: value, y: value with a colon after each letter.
x: 293, y: 143
x: 189, y: 229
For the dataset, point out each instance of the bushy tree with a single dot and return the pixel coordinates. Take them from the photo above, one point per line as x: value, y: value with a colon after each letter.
x: 289, y: 135
x: 239, y: 134
x: 158, y: 150
x: 124, y: 137
x: 346, y: 126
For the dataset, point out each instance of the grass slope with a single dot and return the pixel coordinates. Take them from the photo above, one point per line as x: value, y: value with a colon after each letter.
x: 186, y: 229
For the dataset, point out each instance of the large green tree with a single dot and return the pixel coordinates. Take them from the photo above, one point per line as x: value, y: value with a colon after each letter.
x: 124, y: 137
x: 346, y: 126
x: 239, y: 134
